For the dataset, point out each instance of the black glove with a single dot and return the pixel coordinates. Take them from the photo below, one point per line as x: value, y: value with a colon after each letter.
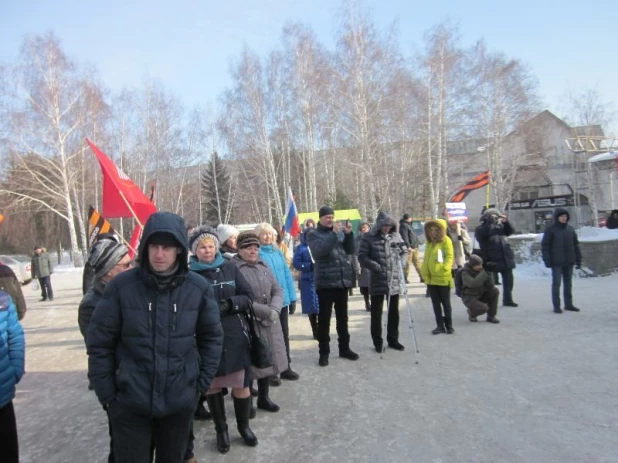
x: 227, y: 306
x: 292, y: 307
x: 459, y: 238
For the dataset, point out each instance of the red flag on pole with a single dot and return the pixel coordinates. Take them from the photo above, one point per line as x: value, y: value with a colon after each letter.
x: 121, y: 197
x: 477, y: 182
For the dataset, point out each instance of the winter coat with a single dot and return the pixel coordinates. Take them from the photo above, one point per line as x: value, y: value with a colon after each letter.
x: 88, y: 304
x: 612, y: 220
x: 408, y: 235
x: 380, y: 254
x: 363, y: 274
x: 475, y: 284
x: 491, y: 237
x: 267, y: 296
x: 304, y: 264
x: 433, y: 272
x: 560, y: 245
x: 460, y: 255
x: 275, y: 259
x: 155, y: 347
x: 10, y: 284
x: 330, y: 251
x: 88, y: 277
x: 41, y: 265
x: 12, y: 349
x: 229, y: 285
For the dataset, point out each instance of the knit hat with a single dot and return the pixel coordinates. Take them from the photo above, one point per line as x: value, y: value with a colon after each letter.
x: 164, y: 239
x: 475, y: 260
x: 326, y: 210
x: 406, y: 216
x: 105, y: 254
x: 202, y: 233
x: 225, y: 232
x: 246, y: 239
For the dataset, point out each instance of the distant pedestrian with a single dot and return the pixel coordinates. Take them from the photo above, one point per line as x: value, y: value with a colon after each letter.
x: 412, y: 242
x: 42, y: 269
x: 331, y: 244
x: 561, y: 252
x: 12, y: 355
x: 362, y: 274
x: 612, y: 220
x: 436, y: 272
x: 479, y: 293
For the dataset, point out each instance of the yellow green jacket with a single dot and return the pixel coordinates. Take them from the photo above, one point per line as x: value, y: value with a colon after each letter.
x: 434, y: 272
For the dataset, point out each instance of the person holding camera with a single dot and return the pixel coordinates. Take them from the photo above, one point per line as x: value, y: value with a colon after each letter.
x: 561, y: 251
x: 380, y: 251
x: 330, y: 245
x: 479, y: 293
x: 496, y: 251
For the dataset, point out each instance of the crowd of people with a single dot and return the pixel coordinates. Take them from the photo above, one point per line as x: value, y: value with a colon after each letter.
x: 193, y: 318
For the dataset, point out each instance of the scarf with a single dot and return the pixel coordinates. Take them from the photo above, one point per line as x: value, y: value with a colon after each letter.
x: 196, y: 265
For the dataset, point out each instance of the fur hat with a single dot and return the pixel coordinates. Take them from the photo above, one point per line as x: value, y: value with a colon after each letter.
x: 246, y: 239
x: 326, y: 210
x: 105, y: 254
x: 475, y: 260
x: 200, y: 234
x: 225, y: 232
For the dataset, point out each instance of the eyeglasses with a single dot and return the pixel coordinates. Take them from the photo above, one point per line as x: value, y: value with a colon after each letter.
x: 125, y: 265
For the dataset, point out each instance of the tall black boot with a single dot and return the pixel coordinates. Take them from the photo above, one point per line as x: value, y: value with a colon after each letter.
x: 263, y: 401
x: 217, y: 410
x: 242, y: 408
x: 313, y: 320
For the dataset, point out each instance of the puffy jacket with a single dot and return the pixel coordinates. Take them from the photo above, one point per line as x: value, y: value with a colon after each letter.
x: 154, y: 349
x: 408, y: 235
x: 275, y: 259
x: 475, y: 284
x: 88, y: 304
x: 41, y: 265
x: 330, y: 250
x: 12, y: 349
x: 491, y: 237
x: 304, y: 264
x: 433, y: 272
x: 229, y: 285
x: 10, y: 284
x: 380, y: 254
x: 560, y: 245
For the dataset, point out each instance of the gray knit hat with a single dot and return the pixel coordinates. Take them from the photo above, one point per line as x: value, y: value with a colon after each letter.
x: 475, y: 260
x: 105, y: 254
x: 201, y: 233
x: 225, y: 232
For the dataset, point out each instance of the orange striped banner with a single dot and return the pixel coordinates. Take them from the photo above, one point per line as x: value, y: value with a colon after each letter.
x: 96, y: 225
x: 477, y: 182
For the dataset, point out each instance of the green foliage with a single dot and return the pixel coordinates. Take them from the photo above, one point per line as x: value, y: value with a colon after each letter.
x: 339, y: 201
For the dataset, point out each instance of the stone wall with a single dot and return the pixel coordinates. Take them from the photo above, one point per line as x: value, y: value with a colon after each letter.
x: 600, y: 257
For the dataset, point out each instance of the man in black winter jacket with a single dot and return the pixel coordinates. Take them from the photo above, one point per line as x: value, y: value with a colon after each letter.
x: 561, y: 251
x: 330, y: 244
x: 154, y: 345
x: 411, y: 241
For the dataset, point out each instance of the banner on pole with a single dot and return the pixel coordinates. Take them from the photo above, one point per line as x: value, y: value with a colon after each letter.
x: 97, y: 225
x: 456, y: 212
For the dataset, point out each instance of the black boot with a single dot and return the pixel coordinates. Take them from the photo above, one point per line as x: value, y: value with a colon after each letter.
x: 263, y: 401
x: 200, y: 412
x: 217, y: 410
x: 313, y: 320
x: 448, y: 324
x: 242, y: 408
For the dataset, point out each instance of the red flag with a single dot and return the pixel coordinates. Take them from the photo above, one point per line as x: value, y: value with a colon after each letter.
x: 477, y: 182
x: 121, y: 197
x: 135, y: 239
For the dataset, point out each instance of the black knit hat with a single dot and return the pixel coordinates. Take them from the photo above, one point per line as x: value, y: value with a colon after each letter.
x: 164, y: 239
x: 246, y: 239
x: 406, y: 216
x: 105, y: 254
x: 326, y: 210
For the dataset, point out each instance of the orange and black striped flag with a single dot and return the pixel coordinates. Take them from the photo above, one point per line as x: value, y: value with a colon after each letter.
x: 96, y: 225
x: 477, y: 182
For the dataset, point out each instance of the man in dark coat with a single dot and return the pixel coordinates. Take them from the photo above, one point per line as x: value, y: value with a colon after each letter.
x: 331, y: 244
x: 496, y: 251
x: 561, y: 251
x: 411, y: 241
x: 381, y: 251
x: 154, y: 345
x: 42, y: 268
x: 479, y: 293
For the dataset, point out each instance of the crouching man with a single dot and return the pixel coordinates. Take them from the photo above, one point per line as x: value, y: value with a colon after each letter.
x: 479, y: 293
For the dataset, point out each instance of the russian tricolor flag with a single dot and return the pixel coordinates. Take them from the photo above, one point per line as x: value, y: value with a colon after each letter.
x: 291, y: 216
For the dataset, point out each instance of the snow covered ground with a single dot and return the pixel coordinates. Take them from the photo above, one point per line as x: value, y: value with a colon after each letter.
x: 539, y: 387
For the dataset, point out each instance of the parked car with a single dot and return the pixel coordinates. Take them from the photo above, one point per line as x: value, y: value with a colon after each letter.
x: 20, y: 265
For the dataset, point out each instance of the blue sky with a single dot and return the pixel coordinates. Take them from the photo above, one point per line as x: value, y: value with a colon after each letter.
x: 188, y: 44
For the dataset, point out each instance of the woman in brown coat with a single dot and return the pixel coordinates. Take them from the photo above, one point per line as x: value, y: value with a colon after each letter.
x: 267, y: 303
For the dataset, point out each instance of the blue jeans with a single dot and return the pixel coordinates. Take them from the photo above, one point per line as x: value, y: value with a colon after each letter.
x: 46, y: 288
x: 564, y: 272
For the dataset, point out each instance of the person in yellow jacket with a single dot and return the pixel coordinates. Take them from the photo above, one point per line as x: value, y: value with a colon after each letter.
x: 436, y: 273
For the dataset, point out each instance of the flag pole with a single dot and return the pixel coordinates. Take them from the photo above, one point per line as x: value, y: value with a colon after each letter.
x: 130, y: 208
x: 487, y: 191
